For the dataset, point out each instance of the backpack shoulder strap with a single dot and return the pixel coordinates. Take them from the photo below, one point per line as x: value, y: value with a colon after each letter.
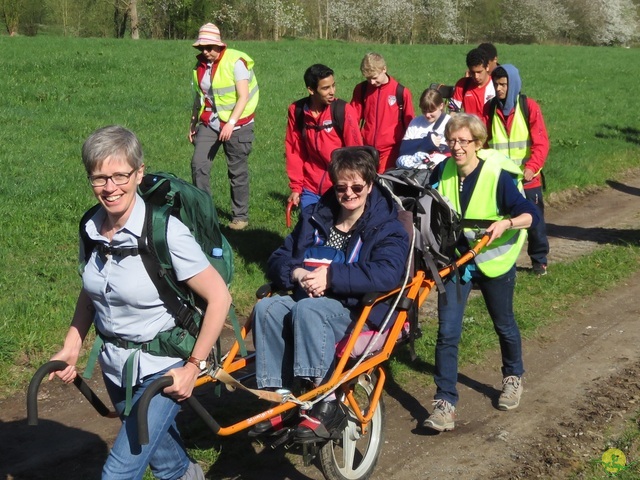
x: 524, y: 106
x: 337, y: 116
x: 156, y: 258
x: 363, y: 92
x: 400, y: 103
x: 298, y: 114
x: 87, y: 242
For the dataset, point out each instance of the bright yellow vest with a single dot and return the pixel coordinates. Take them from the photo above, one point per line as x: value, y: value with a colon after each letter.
x: 501, y: 255
x: 516, y: 145
x: 224, y: 88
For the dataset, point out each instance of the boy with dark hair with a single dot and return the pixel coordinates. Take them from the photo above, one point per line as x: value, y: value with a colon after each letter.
x: 472, y: 93
x: 313, y: 132
x: 492, y: 55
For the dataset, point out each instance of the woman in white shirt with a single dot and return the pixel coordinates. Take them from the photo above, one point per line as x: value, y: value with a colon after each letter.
x: 120, y: 299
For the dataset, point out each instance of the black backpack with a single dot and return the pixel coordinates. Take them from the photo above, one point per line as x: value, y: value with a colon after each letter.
x: 337, y: 108
x: 437, y: 223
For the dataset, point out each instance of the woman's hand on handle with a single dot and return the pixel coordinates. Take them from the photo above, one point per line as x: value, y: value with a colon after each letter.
x: 184, y: 380
x: 496, y: 229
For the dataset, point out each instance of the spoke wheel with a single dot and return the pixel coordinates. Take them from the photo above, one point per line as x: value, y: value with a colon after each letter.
x: 354, y: 456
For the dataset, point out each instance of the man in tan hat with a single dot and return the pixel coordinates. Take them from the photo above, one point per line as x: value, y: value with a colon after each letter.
x: 223, y: 112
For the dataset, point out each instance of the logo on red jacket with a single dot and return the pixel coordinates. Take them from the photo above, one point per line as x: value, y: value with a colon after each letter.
x: 327, y: 125
x: 391, y: 100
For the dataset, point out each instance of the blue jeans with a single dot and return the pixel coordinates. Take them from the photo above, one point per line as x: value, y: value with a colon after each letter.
x: 165, y: 453
x: 538, y: 243
x: 297, y: 339
x: 498, y: 297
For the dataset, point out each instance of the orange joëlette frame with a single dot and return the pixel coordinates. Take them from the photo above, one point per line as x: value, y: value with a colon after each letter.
x: 417, y: 290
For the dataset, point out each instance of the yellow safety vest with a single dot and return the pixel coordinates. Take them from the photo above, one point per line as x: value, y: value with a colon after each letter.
x: 501, y: 255
x: 517, y: 144
x: 223, y: 86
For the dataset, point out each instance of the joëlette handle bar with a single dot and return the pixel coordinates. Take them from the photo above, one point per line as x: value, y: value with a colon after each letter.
x: 290, y: 206
x: 145, y: 399
x: 54, y: 366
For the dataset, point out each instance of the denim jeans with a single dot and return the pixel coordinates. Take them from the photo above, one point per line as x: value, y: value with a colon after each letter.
x: 538, y: 243
x: 297, y: 339
x: 498, y: 297
x: 237, y: 150
x: 165, y: 453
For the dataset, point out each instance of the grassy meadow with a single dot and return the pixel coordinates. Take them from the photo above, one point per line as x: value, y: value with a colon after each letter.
x: 56, y: 91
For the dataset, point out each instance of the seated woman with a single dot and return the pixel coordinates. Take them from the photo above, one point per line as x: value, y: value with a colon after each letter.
x: 354, y: 234
x: 423, y: 144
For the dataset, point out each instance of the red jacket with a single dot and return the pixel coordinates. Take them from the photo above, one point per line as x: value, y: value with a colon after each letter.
x: 379, y: 111
x: 471, y: 98
x: 539, y: 140
x: 307, y: 159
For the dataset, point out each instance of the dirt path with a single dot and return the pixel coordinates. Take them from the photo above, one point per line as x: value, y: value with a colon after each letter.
x: 582, y: 378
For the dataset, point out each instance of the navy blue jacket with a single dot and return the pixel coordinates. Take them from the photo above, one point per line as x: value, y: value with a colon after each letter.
x: 376, y: 254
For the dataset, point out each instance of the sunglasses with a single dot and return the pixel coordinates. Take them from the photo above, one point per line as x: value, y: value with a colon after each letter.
x: 354, y: 188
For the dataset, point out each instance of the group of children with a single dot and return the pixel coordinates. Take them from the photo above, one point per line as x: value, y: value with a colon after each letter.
x: 381, y: 114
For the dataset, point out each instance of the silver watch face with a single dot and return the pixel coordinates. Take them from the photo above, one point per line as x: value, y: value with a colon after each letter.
x: 202, y: 365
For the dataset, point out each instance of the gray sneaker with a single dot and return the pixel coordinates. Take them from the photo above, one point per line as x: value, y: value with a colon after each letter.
x: 511, y: 393
x: 443, y: 417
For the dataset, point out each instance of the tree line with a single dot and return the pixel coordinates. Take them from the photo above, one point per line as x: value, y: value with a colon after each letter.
x: 585, y: 22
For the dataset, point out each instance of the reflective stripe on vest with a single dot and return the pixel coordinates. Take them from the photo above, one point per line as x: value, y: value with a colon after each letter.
x: 517, y: 144
x: 501, y: 255
x: 224, y: 95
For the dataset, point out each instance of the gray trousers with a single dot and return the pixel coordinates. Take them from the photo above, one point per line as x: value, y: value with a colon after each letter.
x: 237, y: 150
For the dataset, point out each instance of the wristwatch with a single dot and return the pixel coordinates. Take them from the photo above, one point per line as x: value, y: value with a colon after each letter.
x: 201, y: 364
x: 232, y: 121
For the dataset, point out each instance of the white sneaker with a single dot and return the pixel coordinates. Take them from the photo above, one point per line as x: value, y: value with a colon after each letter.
x: 443, y: 417
x: 511, y: 393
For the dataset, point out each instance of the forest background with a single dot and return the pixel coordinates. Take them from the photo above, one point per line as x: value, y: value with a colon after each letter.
x: 583, y: 22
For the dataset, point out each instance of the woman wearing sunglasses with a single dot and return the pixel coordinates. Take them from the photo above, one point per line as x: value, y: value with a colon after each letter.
x: 348, y: 244
x: 223, y: 111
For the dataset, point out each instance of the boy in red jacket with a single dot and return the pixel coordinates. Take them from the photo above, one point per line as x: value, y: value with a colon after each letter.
x: 516, y: 128
x: 384, y: 108
x: 313, y: 133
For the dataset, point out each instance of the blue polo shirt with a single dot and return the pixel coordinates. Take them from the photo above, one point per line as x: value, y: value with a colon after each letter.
x: 127, y: 303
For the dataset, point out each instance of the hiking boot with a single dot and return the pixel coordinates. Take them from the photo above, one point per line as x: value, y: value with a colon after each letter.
x: 539, y: 269
x: 511, y: 392
x: 237, y: 224
x: 325, y: 421
x: 443, y: 417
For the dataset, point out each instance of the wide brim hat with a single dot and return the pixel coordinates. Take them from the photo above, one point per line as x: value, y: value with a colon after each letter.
x: 209, y: 34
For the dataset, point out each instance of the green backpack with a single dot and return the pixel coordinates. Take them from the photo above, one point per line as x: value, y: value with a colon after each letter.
x: 164, y: 195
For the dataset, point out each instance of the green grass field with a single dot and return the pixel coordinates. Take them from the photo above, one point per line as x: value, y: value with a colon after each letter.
x: 56, y: 91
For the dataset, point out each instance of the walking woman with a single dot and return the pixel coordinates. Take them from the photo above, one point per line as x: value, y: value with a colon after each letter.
x: 482, y: 185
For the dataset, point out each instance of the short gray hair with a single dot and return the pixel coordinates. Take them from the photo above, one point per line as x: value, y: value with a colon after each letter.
x: 111, y: 141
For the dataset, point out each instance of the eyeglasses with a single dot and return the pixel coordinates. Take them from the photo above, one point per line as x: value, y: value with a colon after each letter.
x: 206, y: 48
x: 463, y: 142
x: 116, y: 178
x: 354, y: 188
